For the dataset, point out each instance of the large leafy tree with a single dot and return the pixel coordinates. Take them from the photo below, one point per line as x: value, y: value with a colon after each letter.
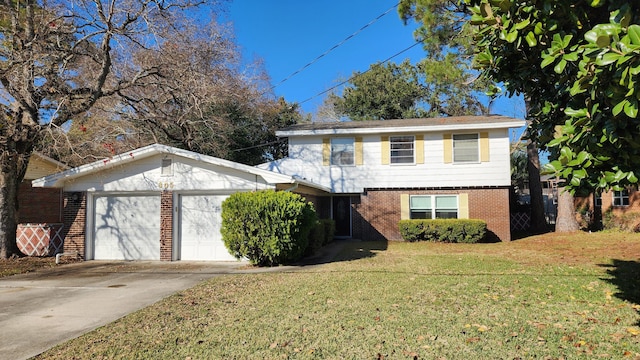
x: 58, y: 59
x: 400, y: 91
x: 578, y: 62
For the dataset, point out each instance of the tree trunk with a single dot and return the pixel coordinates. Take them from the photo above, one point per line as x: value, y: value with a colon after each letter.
x: 14, y: 167
x: 566, y: 220
x: 538, y: 219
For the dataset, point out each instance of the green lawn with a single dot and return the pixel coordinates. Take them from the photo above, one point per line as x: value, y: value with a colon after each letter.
x: 545, y: 297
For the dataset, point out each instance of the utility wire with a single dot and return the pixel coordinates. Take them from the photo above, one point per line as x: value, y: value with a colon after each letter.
x: 335, y: 46
x: 418, y: 42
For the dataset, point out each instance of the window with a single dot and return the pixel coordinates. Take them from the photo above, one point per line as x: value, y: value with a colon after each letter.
x: 465, y: 148
x: 621, y: 198
x: 342, y: 151
x: 433, y: 206
x: 402, y: 148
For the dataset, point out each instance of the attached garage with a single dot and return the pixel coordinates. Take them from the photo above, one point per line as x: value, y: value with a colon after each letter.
x: 126, y: 227
x: 199, y: 226
x: 155, y: 203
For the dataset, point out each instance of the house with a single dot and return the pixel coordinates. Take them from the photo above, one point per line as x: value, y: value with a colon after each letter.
x: 157, y: 203
x: 40, y: 230
x: 380, y: 172
x: 614, y: 208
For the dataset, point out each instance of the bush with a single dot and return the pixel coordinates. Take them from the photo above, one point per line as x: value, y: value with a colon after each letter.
x: 629, y: 222
x: 320, y: 235
x: 443, y: 230
x: 267, y: 227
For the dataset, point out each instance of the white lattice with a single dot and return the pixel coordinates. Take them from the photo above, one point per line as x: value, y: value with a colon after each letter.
x: 520, y: 221
x: 40, y: 239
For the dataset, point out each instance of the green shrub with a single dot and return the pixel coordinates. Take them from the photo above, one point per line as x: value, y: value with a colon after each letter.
x: 628, y: 222
x: 321, y: 234
x: 443, y: 230
x: 267, y: 227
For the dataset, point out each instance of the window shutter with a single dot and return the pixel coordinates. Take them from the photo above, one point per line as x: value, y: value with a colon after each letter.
x: 405, y: 213
x: 326, y: 151
x: 384, y: 150
x: 419, y: 149
x: 463, y: 206
x: 484, y: 146
x: 358, y: 150
x: 447, y: 142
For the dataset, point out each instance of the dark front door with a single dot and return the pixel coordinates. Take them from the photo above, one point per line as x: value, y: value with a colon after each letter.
x: 342, y: 215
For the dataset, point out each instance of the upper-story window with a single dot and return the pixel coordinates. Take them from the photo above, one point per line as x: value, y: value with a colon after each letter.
x: 342, y: 151
x: 402, y: 149
x: 433, y: 206
x: 466, y: 148
x: 621, y: 198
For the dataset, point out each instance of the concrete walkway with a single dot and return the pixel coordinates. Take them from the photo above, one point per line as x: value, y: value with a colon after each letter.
x: 42, y: 309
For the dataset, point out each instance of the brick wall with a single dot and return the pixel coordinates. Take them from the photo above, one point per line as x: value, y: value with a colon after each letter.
x: 39, y: 205
x: 74, y: 219
x: 376, y: 214
x: 166, y: 225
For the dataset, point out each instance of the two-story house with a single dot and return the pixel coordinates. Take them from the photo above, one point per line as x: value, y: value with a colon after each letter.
x: 380, y: 172
x: 159, y: 202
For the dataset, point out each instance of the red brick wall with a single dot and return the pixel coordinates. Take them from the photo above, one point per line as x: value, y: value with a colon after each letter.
x: 166, y: 225
x: 39, y: 205
x: 74, y: 216
x: 376, y: 214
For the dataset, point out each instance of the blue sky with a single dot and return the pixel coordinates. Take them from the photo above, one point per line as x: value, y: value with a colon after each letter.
x: 288, y: 34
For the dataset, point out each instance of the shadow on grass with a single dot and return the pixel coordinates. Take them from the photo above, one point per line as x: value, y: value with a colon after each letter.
x: 345, y: 250
x: 625, y: 274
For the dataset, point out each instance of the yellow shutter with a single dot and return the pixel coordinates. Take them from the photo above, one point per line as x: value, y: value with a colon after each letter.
x: 484, y: 146
x: 463, y: 206
x: 326, y: 151
x: 384, y: 150
x: 447, y: 142
x: 405, y: 213
x: 358, y: 150
x: 419, y: 149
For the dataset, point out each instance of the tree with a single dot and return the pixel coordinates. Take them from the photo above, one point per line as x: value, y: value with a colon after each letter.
x: 577, y: 61
x: 401, y: 91
x: 57, y: 60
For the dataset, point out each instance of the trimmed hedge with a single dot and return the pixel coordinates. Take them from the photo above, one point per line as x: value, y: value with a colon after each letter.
x: 443, y: 230
x: 267, y: 227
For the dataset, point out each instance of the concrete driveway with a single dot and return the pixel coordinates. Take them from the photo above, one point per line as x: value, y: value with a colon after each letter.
x: 48, y: 307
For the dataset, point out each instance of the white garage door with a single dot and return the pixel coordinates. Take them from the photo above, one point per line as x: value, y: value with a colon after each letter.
x: 200, y: 221
x: 127, y: 228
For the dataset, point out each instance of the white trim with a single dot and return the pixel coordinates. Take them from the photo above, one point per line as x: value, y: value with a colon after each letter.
x: 399, y: 129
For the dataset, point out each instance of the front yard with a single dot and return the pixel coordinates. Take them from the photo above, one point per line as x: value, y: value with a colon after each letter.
x: 543, y: 297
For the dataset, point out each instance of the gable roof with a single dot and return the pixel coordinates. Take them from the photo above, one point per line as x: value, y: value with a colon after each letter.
x: 59, y: 179
x: 403, y: 125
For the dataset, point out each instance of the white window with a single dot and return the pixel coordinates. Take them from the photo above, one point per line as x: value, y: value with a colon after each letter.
x: 466, y: 148
x: 342, y: 151
x: 621, y: 198
x: 433, y: 206
x: 402, y: 149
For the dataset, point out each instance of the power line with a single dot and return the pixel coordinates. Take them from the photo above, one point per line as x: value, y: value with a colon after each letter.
x: 418, y: 42
x: 335, y: 46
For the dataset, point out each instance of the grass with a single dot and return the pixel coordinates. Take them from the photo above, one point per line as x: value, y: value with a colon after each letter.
x: 543, y: 297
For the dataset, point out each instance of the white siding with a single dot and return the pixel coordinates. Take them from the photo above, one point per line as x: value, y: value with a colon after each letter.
x: 145, y: 175
x: 305, y: 161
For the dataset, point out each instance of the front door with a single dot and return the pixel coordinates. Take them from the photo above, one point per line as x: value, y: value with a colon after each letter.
x: 341, y: 212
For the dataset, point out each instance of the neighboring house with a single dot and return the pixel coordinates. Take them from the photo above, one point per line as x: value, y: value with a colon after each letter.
x: 380, y: 172
x: 40, y: 229
x: 157, y: 203
x: 610, y: 204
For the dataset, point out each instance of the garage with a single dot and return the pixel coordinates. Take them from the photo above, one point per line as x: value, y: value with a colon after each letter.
x: 156, y: 203
x: 126, y: 227
x: 200, y: 221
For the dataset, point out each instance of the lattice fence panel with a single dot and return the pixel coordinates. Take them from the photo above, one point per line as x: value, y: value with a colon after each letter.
x: 520, y: 221
x: 40, y: 239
